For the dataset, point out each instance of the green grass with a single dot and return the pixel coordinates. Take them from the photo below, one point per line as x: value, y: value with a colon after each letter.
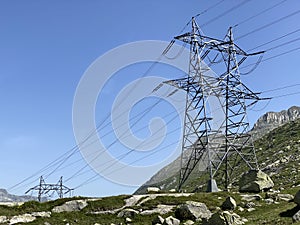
x: 264, y: 214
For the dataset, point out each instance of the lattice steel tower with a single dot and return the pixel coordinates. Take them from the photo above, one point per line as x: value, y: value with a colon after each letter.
x: 219, y: 148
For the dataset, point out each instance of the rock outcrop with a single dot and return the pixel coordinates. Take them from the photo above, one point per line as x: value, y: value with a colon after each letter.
x: 71, y: 206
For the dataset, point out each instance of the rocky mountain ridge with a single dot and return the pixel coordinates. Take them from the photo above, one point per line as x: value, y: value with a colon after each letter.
x: 272, y: 120
x: 6, y: 197
x: 275, y: 119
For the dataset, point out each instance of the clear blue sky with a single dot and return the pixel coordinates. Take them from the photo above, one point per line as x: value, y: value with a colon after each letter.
x: 46, y: 46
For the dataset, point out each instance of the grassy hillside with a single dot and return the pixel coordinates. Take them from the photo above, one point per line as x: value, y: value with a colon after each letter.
x: 264, y: 213
x: 278, y: 154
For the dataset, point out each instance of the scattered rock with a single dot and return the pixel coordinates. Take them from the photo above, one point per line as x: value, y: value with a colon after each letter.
x: 229, y: 204
x: 224, y: 218
x: 128, y: 220
x: 250, y: 209
x: 25, y: 218
x: 3, y: 219
x: 71, y: 206
x: 285, y: 197
x: 41, y: 214
x: 250, y: 198
x: 297, y: 198
x: 241, y: 209
x: 269, y: 201
x: 249, y: 205
x: 158, y: 220
x: 152, y: 189
x: 192, y: 211
x: 279, y: 197
x: 171, y: 221
x: 130, y: 213
x: 189, y: 222
x: 296, y: 217
x: 160, y: 209
x: 255, y: 181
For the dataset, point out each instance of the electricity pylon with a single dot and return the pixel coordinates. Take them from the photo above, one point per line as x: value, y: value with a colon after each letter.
x: 229, y: 144
x: 43, y: 188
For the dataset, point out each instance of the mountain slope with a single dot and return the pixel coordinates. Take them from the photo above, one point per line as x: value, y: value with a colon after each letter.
x: 167, y: 177
x: 6, y: 197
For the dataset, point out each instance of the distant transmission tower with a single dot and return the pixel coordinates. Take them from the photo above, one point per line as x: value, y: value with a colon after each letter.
x: 229, y: 144
x: 43, y: 188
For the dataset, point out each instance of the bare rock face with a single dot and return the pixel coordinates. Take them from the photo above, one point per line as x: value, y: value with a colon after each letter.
x: 255, y: 181
x: 274, y: 119
x: 229, y: 204
x: 192, y: 211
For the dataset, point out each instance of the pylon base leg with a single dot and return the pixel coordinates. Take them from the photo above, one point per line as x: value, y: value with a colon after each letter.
x: 212, y: 186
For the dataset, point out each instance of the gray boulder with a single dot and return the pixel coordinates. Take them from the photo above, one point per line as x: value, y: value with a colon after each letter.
x: 130, y: 213
x: 229, y: 204
x: 152, y: 190
x: 158, y: 220
x: 41, y: 214
x: 297, y: 198
x: 25, y: 218
x: 171, y: 221
x: 192, y: 211
x: 296, y: 217
x: 3, y: 219
x: 255, y: 181
x: 224, y: 218
x: 250, y: 198
x: 71, y: 206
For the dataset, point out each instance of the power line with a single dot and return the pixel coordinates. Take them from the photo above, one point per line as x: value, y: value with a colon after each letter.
x: 269, y: 24
x: 273, y: 57
x: 115, y: 141
x: 275, y: 39
x: 226, y: 12
x: 201, y: 13
x: 283, y: 44
x: 208, y: 9
x: 285, y: 95
x: 126, y: 154
x: 260, y: 13
x: 60, y: 161
x: 281, y: 88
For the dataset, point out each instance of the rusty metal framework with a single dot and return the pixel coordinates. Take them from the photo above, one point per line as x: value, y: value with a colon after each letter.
x: 229, y: 143
x: 44, y: 189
